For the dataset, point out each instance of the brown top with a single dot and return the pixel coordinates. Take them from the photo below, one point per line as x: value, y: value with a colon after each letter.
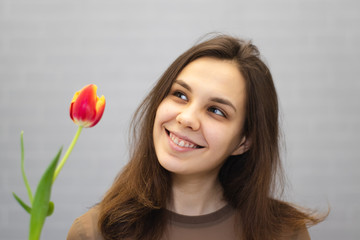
x: 213, y: 226
x: 85, y: 227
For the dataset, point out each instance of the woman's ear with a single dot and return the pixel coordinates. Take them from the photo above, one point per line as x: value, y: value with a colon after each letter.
x: 243, y: 146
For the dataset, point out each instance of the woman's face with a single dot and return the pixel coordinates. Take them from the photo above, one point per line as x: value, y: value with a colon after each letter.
x: 199, y: 124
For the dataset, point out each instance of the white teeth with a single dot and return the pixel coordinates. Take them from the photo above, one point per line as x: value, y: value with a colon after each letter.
x: 181, y: 143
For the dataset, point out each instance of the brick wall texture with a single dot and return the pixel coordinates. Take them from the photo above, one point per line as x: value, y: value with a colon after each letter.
x: 50, y: 49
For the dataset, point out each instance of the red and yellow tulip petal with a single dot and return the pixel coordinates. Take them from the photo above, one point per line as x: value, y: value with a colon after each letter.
x: 72, y: 104
x: 100, y: 107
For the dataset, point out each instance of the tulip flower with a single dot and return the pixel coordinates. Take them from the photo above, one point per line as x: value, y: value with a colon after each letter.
x: 86, y: 107
x: 86, y: 110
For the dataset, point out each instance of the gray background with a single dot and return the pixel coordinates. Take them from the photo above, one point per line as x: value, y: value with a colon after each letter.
x: 51, y: 48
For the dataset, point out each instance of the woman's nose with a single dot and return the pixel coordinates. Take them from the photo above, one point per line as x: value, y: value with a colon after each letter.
x: 188, y: 117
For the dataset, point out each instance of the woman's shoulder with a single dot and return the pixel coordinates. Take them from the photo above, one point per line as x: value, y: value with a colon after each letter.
x: 301, y: 234
x: 85, y: 227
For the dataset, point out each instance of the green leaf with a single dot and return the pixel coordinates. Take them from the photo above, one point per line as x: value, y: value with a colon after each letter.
x: 23, y: 169
x: 40, y: 206
x: 24, y: 205
x: 51, y: 208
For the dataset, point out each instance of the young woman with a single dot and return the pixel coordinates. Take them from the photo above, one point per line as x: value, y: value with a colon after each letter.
x: 205, y: 156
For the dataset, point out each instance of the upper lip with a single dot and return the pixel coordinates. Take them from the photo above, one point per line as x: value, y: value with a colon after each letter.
x: 183, y: 137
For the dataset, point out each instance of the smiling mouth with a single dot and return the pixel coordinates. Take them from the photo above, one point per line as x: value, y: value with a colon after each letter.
x: 181, y: 142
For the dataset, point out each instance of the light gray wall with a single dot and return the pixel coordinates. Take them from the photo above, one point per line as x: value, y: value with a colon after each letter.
x: 50, y: 49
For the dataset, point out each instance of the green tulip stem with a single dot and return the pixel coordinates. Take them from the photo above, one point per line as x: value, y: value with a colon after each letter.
x: 68, y: 151
x: 23, y: 169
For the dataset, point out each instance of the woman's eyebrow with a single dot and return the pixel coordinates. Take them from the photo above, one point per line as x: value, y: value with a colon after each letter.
x: 214, y: 99
x: 223, y: 101
x: 183, y: 84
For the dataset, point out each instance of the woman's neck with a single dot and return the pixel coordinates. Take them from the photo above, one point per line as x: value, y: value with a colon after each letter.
x: 196, y: 195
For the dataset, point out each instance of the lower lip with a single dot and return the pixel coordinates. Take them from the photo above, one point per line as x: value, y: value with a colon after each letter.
x: 177, y: 147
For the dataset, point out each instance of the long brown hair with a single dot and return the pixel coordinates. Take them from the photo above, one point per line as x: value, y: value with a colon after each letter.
x: 134, y: 207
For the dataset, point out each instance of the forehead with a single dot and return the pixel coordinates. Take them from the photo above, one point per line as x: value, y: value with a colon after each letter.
x: 216, y: 76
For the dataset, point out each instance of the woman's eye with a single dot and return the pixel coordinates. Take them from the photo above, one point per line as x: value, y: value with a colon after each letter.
x: 217, y: 111
x: 180, y: 95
